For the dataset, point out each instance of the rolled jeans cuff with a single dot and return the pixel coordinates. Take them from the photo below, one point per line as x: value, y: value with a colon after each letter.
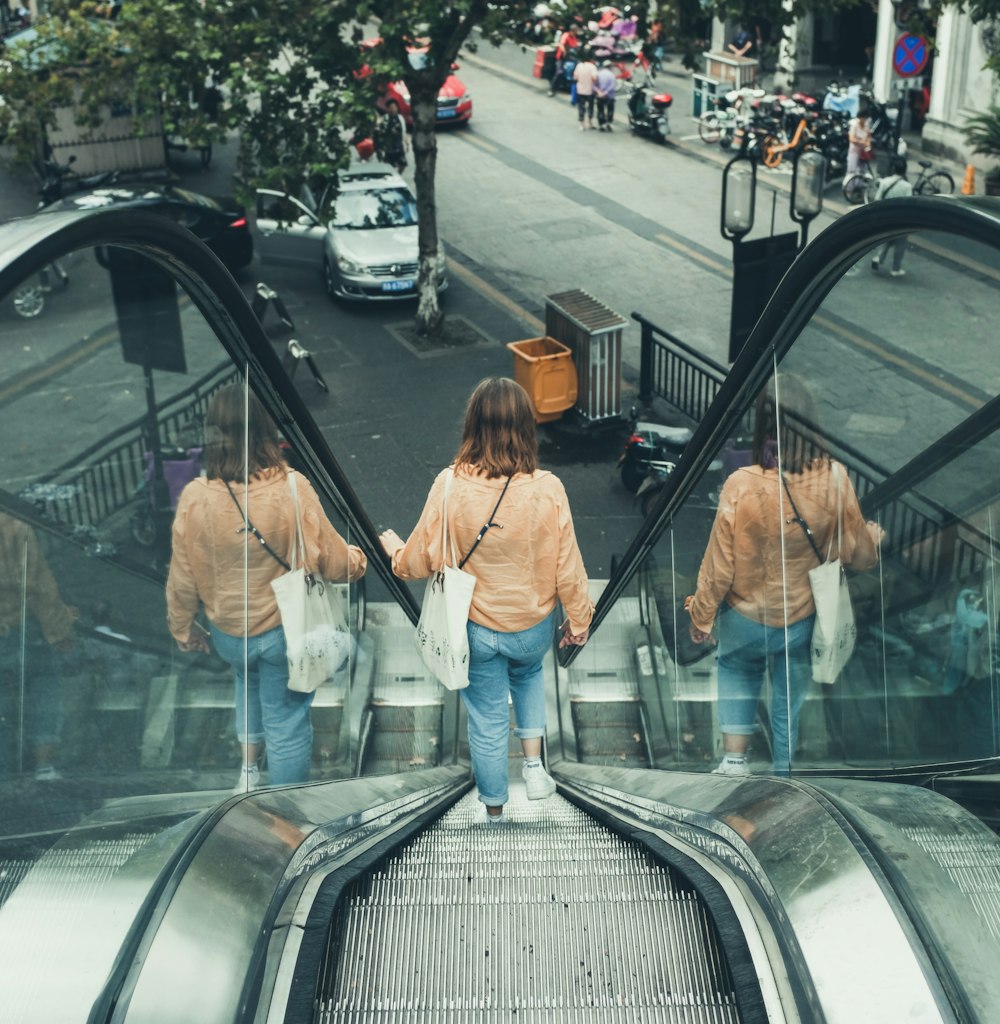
x: 529, y: 734
x: 737, y: 730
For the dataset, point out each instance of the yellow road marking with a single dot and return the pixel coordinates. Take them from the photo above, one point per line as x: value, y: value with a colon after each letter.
x: 466, y: 137
x: 891, y: 357
x: 985, y: 269
x: 494, y: 295
x: 51, y: 369
x: 699, y: 257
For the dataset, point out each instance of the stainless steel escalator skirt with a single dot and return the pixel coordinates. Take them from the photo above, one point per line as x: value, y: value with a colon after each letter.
x: 548, y: 916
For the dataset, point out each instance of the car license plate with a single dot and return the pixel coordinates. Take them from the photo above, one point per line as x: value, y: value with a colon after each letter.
x: 398, y: 286
x: 448, y: 112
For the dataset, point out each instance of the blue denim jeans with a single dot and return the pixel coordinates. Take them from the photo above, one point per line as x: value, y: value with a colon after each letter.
x: 746, y: 649
x: 265, y: 708
x: 502, y: 664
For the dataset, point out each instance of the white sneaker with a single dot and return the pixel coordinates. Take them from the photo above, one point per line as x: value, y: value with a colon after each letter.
x: 897, y: 273
x: 494, y: 820
x: 731, y: 766
x: 540, y: 784
x: 249, y: 780
x: 47, y: 773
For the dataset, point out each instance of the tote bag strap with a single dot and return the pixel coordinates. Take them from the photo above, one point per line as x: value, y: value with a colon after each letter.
x: 447, y: 541
x: 298, y: 552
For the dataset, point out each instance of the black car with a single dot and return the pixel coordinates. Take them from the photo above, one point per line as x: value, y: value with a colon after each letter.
x: 220, y: 223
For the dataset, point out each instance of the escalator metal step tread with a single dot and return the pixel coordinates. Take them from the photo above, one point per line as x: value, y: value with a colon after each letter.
x: 972, y: 860
x: 549, y: 916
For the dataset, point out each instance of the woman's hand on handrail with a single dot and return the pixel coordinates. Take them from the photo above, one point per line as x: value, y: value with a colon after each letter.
x: 568, y: 639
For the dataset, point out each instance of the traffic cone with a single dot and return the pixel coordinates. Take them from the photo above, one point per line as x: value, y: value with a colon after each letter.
x: 969, y: 182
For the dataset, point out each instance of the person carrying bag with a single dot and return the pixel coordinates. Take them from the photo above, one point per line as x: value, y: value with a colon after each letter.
x: 235, y: 532
x: 756, y: 581
x: 526, y: 563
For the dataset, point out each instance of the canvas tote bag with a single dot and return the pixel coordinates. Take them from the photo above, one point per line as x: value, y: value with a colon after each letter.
x: 834, y: 630
x: 313, y: 615
x: 442, y: 638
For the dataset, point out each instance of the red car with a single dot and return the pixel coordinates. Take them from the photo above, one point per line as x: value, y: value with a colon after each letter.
x: 454, y: 102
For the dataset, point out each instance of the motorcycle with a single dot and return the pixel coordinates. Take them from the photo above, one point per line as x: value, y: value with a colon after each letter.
x: 649, y: 112
x: 650, y: 456
x: 56, y: 174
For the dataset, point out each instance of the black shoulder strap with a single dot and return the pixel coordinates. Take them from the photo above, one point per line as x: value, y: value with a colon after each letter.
x: 482, y: 532
x: 253, y: 529
x: 802, y: 522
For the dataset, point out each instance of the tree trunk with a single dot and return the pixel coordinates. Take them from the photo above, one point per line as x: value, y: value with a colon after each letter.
x: 424, y: 105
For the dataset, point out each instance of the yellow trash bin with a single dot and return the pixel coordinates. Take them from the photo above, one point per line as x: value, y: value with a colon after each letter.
x: 544, y: 368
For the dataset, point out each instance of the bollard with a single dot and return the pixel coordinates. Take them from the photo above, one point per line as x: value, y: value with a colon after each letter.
x: 296, y: 354
x: 261, y: 297
x: 969, y: 182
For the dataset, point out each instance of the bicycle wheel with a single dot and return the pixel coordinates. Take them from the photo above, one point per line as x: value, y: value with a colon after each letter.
x: 854, y: 188
x: 708, y: 128
x: 770, y: 150
x: 940, y: 183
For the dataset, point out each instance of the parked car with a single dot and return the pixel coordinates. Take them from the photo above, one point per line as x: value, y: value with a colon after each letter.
x: 362, y: 234
x: 221, y: 223
x: 454, y: 102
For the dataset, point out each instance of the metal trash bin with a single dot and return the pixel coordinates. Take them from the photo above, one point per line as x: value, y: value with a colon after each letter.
x: 593, y: 333
x: 544, y: 368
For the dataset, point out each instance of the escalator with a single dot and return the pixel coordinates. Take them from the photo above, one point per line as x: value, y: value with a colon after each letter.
x: 844, y: 888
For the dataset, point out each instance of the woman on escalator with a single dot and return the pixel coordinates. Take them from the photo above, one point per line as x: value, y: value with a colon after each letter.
x: 232, y: 536
x: 753, y: 585
x: 524, y: 567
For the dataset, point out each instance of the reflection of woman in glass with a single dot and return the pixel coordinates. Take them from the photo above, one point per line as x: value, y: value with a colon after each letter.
x: 753, y: 584
x: 35, y: 627
x: 217, y: 563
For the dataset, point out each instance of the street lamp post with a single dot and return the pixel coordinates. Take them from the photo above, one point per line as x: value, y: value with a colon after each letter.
x: 759, y: 265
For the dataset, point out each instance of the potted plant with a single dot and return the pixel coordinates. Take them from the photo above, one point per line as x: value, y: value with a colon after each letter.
x: 982, y: 133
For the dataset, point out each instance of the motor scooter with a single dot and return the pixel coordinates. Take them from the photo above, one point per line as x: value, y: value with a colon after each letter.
x: 650, y: 455
x: 649, y: 112
x: 56, y: 174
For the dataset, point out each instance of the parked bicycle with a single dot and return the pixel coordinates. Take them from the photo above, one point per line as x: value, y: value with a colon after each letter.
x: 728, y: 114
x: 861, y: 186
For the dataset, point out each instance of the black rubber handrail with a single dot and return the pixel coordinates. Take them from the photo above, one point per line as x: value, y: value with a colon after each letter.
x: 34, y: 242
x: 798, y: 296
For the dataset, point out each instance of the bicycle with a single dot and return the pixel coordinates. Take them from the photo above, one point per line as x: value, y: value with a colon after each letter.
x: 721, y: 123
x: 860, y: 186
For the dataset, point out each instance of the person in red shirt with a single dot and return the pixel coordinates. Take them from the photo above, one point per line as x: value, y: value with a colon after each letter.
x: 567, y: 43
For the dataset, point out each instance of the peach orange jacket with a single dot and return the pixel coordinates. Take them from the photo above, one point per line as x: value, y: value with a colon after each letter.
x: 523, y: 567
x: 209, y: 547
x: 744, y: 564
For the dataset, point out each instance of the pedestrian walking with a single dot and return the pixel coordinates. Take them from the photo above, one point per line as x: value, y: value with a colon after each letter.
x: 526, y: 561
x: 894, y: 186
x: 390, y: 137
x: 585, y: 80
x: 859, y: 141
x: 604, y: 89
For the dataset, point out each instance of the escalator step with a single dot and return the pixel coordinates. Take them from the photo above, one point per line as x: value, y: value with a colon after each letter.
x: 546, y: 917
x: 610, y: 733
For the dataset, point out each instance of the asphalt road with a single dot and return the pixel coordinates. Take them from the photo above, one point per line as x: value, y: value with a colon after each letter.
x: 530, y: 206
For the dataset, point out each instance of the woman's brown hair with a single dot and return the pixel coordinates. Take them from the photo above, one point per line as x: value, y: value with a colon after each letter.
x: 235, y: 450
x: 787, y: 429
x: 498, y: 438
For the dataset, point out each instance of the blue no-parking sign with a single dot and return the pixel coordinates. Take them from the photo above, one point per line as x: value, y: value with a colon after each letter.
x: 910, y: 55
